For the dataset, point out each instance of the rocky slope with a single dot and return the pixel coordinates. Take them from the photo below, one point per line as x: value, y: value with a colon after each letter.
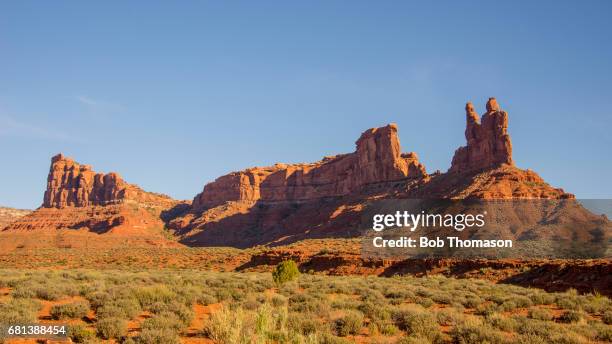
x: 9, y: 215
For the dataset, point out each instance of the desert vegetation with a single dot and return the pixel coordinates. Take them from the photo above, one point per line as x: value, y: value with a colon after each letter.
x: 174, y: 306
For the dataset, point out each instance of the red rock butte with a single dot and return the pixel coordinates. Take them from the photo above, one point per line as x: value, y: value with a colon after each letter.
x: 71, y: 184
x: 288, y: 202
x: 377, y: 159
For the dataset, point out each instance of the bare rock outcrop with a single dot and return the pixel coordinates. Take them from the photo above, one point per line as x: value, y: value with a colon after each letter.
x: 377, y: 159
x: 70, y: 184
x: 488, y: 143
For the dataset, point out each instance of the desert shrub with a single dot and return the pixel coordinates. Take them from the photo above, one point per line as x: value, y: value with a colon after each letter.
x: 596, y: 303
x: 424, y: 301
x: 302, y: 323
x: 375, y: 311
x: 149, y: 295
x: 250, y: 303
x: 449, y: 317
x: 443, y: 298
x: 607, y: 318
x: 327, y: 338
x: 521, y: 301
x: 285, y: 271
x: 97, y: 299
x: 414, y: 340
x: 474, y: 332
x: 571, y: 317
x: 603, y: 332
x: 487, y: 309
x: 109, y: 328
x: 164, y: 320
x: 350, y: 323
x: 417, y: 322
x: 541, y: 298
x: 181, y: 311
x: 278, y: 300
x: 73, y: 310
x: 472, y: 302
x: 127, y: 308
x: 308, y: 304
x: 540, y: 328
x: 501, y: 322
x: 228, y: 327
x: 79, y: 333
x: 49, y: 293
x: 386, y: 328
x: 206, y: 299
x: 399, y: 294
x: 157, y: 336
x: 19, y: 311
x: 540, y: 313
x: 568, y: 302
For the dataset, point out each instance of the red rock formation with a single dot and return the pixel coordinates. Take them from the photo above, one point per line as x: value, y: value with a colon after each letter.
x: 285, y: 203
x: 70, y: 184
x: 80, y: 204
x: 377, y: 159
x: 10, y: 215
x: 488, y: 143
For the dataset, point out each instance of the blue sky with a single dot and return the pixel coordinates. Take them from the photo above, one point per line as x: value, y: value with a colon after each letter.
x: 174, y: 94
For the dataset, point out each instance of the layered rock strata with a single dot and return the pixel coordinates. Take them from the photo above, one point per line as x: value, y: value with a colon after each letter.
x: 377, y: 159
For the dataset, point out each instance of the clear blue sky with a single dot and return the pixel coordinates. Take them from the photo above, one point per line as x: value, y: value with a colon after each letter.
x: 173, y: 95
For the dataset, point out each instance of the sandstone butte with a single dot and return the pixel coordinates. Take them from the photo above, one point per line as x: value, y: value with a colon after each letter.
x: 285, y: 202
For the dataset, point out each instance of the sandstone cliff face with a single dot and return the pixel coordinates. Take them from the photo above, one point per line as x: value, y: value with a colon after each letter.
x: 377, y: 159
x: 488, y: 143
x: 71, y: 184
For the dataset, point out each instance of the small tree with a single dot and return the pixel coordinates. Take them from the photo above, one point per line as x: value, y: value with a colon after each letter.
x: 285, y: 271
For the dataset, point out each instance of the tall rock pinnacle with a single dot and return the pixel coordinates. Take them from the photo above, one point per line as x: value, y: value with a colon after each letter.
x: 488, y: 143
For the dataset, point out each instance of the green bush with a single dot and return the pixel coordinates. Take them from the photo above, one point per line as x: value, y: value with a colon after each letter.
x: 109, y: 328
x: 75, y: 310
x: 285, y: 271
